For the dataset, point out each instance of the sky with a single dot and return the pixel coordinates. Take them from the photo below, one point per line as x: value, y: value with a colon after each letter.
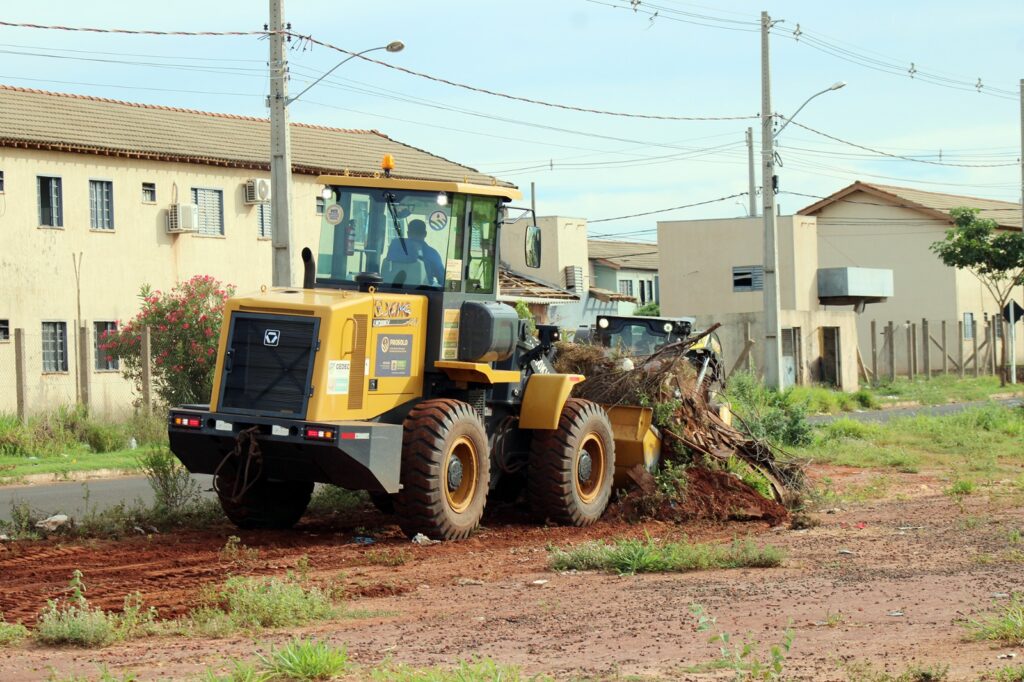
x: 667, y: 58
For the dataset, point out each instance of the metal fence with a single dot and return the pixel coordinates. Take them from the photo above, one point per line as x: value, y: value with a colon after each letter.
x: 41, y: 371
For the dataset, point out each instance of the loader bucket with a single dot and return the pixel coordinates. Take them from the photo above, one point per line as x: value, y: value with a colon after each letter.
x: 637, y: 441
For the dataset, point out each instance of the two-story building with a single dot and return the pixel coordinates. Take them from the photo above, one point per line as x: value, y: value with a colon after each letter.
x: 98, y: 197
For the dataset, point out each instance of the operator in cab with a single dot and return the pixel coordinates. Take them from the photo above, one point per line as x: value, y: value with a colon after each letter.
x: 416, y: 246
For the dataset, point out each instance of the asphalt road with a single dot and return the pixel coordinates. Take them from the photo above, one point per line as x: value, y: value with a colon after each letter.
x: 886, y: 415
x: 69, y: 498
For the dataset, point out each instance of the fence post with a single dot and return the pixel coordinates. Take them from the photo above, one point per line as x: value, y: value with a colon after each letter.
x: 945, y: 350
x: 910, y: 350
x: 83, y: 365
x: 960, y: 346
x: 147, y: 374
x: 20, y: 387
x: 874, y: 353
x: 747, y: 339
x: 974, y: 344
x: 993, y: 364
x: 926, y: 347
x: 891, y: 334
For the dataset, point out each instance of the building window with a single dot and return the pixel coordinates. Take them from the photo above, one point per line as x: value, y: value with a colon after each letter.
x: 104, y: 361
x: 101, y: 205
x: 968, y: 326
x: 51, y: 209
x: 55, y: 347
x: 263, y: 220
x: 626, y: 287
x: 5, y: 330
x: 211, y: 210
x: 320, y: 204
x: 748, y: 278
x: 149, y: 192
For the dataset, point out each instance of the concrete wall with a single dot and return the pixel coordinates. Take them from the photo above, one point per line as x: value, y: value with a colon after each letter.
x: 733, y: 334
x: 697, y: 258
x: 37, y: 276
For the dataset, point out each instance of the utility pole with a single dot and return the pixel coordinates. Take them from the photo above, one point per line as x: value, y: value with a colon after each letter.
x: 752, y: 188
x: 772, y: 345
x: 280, y: 150
x: 1013, y: 317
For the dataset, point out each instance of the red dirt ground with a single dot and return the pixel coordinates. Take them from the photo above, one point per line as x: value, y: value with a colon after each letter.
x: 920, y: 555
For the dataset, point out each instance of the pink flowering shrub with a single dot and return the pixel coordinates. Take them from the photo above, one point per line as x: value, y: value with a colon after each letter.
x: 184, y: 326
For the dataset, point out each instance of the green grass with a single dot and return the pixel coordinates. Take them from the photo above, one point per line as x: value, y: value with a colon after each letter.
x: 940, y: 389
x: 974, y: 442
x: 244, y: 603
x: 864, y: 672
x: 482, y: 670
x: 636, y: 556
x: 1005, y: 625
x: 1010, y: 674
x: 305, y: 660
x: 63, y: 466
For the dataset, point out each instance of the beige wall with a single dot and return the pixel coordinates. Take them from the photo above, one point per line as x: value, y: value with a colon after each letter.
x: 863, y: 231
x: 697, y: 258
x: 564, y: 242
x: 37, y: 277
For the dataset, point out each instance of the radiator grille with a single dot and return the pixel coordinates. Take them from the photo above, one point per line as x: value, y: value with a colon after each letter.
x: 269, y: 366
x: 357, y: 374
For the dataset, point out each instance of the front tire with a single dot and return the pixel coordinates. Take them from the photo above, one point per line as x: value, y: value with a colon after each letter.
x: 571, y: 467
x: 445, y: 470
x: 267, y: 504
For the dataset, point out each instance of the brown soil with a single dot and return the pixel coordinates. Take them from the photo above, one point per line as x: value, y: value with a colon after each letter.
x: 901, y: 572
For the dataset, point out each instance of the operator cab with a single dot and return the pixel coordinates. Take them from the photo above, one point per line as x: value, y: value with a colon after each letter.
x: 636, y: 336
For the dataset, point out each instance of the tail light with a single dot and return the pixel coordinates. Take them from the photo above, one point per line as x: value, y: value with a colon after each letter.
x: 318, y: 433
x: 187, y: 421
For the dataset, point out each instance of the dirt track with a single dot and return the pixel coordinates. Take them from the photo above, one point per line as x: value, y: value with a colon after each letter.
x: 922, y: 557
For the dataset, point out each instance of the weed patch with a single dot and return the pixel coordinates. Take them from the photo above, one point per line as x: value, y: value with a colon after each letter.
x: 11, y: 633
x: 1006, y: 625
x: 649, y: 556
x: 73, y: 621
x: 305, y: 660
x: 244, y: 603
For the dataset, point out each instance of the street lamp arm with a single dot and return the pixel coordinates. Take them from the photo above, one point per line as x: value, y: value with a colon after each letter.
x: 390, y: 47
x: 835, y: 86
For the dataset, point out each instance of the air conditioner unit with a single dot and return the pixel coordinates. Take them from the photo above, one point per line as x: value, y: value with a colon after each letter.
x: 182, y: 218
x: 257, y: 191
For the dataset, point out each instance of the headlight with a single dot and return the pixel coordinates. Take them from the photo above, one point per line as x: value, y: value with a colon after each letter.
x: 602, y: 322
x: 667, y: 327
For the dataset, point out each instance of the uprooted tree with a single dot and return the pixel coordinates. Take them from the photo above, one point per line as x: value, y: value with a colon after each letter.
x: 184, y: 326
x: 994, y: 256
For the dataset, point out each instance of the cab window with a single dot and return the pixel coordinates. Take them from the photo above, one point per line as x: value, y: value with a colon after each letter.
x: 483, y: 220
x: 455, y: 262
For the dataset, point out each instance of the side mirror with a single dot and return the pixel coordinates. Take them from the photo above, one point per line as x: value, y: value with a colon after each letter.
x: 532, y: 246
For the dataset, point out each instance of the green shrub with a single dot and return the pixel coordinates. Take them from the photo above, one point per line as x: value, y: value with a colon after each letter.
x: 648, y: 310
x: 766, y: 414
x: 74, y: 622
x: 636, y: 556
x: 960, y: 488
x: 104, y: 437
x: 249, y: 603
x: 173, y: 488
x: 482, y: 670
x: 11, y: 633
x: 306, y: 660
x: 847, y: 428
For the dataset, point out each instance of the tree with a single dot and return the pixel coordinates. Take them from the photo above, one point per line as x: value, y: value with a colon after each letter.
x: 184, y: 326
x: 994, y: 256
x: 651, y: 309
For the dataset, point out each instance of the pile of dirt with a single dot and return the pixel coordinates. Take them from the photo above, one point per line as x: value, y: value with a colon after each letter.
x: 709, y: 494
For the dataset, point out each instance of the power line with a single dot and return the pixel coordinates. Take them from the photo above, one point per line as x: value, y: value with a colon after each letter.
x: 900, y: 156
x: 131, y: 87
x: 517, y: 98
x: 135, y: 54
x: 666, y: 210
x: 230, y: 70
x: 129, y: 31
x: 662, y: 12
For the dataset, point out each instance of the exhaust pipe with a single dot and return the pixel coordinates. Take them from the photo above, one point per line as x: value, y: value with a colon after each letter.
x: 308, y: 269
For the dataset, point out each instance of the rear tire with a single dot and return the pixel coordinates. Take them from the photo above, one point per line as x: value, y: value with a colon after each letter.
x: 267, y: 504
x: 445, y: 470
x: 571, y: 467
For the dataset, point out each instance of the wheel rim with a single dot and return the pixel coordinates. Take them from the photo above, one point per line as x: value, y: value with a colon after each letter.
x: 459, y: 474
x: 589, y: 468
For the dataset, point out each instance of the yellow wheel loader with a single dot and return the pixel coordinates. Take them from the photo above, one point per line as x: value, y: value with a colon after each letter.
x: 394, y: 370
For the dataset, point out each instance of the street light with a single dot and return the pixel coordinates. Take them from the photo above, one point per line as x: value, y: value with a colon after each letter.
x: 280, y: 142
x: 769, y: 185
x: 394, y: 46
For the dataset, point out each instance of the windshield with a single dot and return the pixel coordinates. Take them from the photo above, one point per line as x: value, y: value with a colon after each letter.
x: 637, y: 339
x: 404, y: 236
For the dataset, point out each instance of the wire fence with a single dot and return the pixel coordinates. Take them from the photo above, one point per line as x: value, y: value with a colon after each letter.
x: 54, y: 366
